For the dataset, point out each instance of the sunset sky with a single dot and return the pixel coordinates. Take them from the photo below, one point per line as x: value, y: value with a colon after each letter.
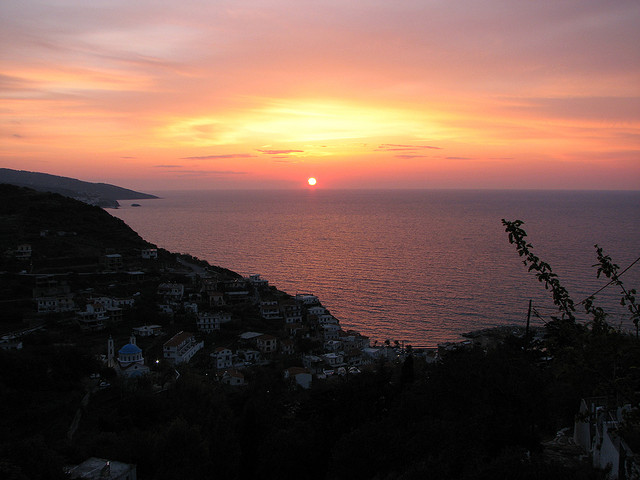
x: 154, y: 95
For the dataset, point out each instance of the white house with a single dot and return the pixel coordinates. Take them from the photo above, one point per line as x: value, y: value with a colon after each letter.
x: 597, y: 431
x: 222, y: 357
x: 332, y: 345
x: 327, y: 318
x: 317, y: 310
x: 171, y: 292
x: 249, y: 355
x: 331, y: 331
x: 209, y: 322
x: 270, y: 310
x: 113, y: 261
x: 301, y: 376
x: 291, y: 310
x: 93, y: 318
x: 62, y: 303
x: 181, y: 347
x: 257, y: 281
x: 148, y: 330
x: 216, y: 299
x: 333, y: 359
x: 149, y: 254
x: 232, y: 377
x: 267, y: 343
x: 287, y: 346
x: 307, y: 299
x: 23, y: 252
x: 313, y: 363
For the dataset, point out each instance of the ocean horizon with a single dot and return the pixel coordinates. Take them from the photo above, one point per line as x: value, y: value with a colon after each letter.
x: 420, y: 266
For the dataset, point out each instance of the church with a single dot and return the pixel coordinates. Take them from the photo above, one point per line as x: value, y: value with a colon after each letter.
x: 130, y: 362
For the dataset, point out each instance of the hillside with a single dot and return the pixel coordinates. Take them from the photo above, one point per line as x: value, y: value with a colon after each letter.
x: 58, y: 227
x: 100, y: 194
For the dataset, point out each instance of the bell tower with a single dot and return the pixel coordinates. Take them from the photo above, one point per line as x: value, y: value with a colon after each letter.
x: 111, y: 353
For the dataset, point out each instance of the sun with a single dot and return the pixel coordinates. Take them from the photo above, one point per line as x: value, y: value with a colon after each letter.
x: 312, y: 181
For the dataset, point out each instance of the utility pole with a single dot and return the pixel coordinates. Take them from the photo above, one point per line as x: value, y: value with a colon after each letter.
x: 526, y: 332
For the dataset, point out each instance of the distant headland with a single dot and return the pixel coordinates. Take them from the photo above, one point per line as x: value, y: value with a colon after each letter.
x: 99, y: 194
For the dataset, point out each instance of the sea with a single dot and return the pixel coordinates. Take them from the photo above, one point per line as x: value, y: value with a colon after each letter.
x: 417, y: 266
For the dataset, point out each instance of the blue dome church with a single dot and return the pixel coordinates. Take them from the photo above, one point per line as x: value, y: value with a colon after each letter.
x: 130, y: 362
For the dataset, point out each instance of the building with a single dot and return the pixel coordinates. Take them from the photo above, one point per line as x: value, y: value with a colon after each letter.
x: 307, y: 299
x: 210, y: 322
x: 223, y: 358
x: 93, y: 318
x: 148, y: 330
x: 291, y: 310
x: 23, y: 252
x: 313, y: 363
x: 269, y: 310
x: 101, y: 469
x: 232, y: 377
x: 216, y: 299
x: 249, y: 356
x: 130, y: 362
x: 10, y: 342
x: 113, y: 262
x: 267, y: 343
x: 334, y: 359
x: 301, y: 376
x: 61, y: 303
x: 149, y: 254
x: 171, y: 292
x: 597, y: 431
x: 287, y: 346
x: 331, y: 331
x: 181, y: 347
x: 257, y: 281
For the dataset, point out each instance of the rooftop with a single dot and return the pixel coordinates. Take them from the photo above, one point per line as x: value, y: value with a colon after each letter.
x: 178, y: 339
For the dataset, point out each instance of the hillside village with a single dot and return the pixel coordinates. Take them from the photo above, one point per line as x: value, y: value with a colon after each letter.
x: 109, y: 344
x: 231, y: 323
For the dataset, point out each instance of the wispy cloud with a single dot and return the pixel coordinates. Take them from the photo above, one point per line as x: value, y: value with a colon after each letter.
x: 279, y: 152
x: 458, y: 158
x: 218, y: 157
x: 214, y: 173
x: 408, y: 157
x: 392, y: 147
x: 168, y: 166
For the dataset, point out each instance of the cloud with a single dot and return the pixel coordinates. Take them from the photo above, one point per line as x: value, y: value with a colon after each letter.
x: 408, y: 157
x: 185, y: 173
x: 458, y: 158
x: 279, y: 152
x: 166, y: 166
x: 392, y: 147
x: 217, y: 157
x: 594, y: 108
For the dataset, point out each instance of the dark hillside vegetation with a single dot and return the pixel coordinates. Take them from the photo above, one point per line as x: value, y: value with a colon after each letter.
x: 58, y: 227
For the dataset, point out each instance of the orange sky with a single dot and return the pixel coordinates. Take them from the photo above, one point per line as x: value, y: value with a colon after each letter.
x: 361, y: 94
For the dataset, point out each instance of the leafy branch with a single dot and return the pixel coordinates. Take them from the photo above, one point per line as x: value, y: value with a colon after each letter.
x: 542, y: 270
x: 610, y: 270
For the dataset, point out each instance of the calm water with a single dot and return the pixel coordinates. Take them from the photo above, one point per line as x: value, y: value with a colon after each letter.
x: 420, y: 266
